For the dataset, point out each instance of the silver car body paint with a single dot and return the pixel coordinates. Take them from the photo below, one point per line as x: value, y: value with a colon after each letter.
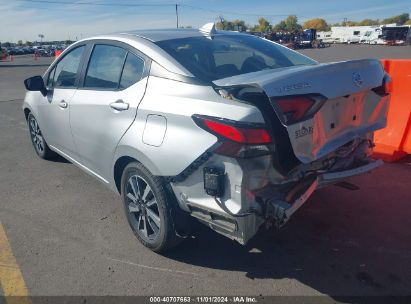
x: 184, y: 141
x: 108, y: 125
x: 158, y: 130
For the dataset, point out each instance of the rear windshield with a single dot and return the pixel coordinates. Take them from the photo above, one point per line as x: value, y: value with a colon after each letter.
x: 228, y: 55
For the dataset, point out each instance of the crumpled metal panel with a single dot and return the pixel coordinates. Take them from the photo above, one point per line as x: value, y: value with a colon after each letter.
x: 340, y: 119
x: 338, y: 122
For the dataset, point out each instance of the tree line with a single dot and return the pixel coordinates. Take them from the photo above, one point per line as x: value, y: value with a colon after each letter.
x: 290, y: 24
x: 20, y: 43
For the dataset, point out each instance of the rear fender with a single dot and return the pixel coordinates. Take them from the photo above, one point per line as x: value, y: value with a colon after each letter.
x: 173, y: 141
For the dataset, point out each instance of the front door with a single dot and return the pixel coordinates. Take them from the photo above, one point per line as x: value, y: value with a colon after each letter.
x: 54, y: 111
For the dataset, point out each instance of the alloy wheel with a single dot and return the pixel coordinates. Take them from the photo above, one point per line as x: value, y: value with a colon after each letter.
x: 143, y: 209
x: 36, y: 135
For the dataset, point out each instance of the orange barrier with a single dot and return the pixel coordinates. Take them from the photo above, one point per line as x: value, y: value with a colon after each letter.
x: 394, y: 142
x: 57, y: 53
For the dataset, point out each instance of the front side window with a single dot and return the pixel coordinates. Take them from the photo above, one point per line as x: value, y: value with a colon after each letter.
x: 65, y: 72
x: 230, y: 55
x: 105, y: 66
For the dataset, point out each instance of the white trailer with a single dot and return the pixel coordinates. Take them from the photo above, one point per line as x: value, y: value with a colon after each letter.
x: 373, y: 36
x: 370, y: 35
x: 325, y: 37
x: 349, y: 34
x: 378, y: 34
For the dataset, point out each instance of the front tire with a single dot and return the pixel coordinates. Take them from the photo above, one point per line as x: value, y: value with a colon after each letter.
x: 37, y: 139
x: 148, y: 206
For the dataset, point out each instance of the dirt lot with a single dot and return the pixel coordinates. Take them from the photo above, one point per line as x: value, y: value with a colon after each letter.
x: 69, y: 234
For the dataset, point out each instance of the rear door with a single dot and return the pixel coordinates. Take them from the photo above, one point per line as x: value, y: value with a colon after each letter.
x: 102, y: 109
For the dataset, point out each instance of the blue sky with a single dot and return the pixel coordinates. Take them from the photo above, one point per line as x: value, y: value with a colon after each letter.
x: 23, y: 19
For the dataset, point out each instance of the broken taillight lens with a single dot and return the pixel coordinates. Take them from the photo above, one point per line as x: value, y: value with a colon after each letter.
x: 295, y: 108
x: 237, y: 139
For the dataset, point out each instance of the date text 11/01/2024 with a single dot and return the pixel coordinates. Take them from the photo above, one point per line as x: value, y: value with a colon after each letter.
x: 204, y: 299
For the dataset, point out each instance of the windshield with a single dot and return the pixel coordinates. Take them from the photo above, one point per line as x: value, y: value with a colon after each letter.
x: 230, y: 55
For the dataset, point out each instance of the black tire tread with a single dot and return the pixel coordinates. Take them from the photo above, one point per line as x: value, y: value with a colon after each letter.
x: 47, y: 153
x: 159, y: 186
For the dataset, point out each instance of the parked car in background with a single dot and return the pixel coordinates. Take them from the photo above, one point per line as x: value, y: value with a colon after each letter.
x: 15, y: 51
x: 44, y: 52
x: 28, y: 50
x: 231, y: 129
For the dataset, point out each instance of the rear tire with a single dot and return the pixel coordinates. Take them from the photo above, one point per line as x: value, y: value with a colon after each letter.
x: 149, y: 208
x: 37, y: 139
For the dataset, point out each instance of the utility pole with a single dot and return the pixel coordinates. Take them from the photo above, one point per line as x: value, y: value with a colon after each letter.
x: 177, y: 13
x: 41, y: 36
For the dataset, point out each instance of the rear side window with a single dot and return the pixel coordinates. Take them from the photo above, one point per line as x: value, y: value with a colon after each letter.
x: 65, y: 73
x: 132, y: 72
x: 105, y: 66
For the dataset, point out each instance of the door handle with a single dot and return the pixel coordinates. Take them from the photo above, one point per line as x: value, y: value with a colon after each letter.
x: 119, y: 105
x: 63, y: 104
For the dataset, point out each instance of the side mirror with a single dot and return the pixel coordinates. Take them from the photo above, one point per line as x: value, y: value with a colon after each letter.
x: 35, y: 83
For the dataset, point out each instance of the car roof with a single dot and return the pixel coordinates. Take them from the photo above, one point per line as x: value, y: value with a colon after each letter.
x: 145, y: 42
x: 156, y: 35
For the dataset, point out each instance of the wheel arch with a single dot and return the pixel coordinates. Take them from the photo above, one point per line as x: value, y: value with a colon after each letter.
x: 124, y: 156
x: 119, y: 166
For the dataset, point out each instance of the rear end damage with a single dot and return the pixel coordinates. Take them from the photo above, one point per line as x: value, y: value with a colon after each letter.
x: 262, y: 173
x: 252, y: 193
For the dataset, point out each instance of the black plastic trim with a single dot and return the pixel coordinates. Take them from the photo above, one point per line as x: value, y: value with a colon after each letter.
x: 284, y: 158
x: 192, y: 167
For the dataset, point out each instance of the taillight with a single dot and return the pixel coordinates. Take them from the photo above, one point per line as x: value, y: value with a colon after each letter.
x: 238, y: 134
x: 237, y: 139
x: 295, y: 108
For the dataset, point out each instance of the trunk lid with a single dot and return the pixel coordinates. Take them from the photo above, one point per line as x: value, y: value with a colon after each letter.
x: 350, y: 110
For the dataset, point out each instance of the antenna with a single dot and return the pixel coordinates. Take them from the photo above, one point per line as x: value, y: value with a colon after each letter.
x: 208, y: 29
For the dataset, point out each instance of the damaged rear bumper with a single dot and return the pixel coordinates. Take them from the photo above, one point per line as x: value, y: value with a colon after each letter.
x: 279, y: 211
x: 334, y: 177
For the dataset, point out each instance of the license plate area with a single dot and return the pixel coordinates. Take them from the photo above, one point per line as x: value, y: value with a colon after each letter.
x: 340, y: 114
x: 336, y: 123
